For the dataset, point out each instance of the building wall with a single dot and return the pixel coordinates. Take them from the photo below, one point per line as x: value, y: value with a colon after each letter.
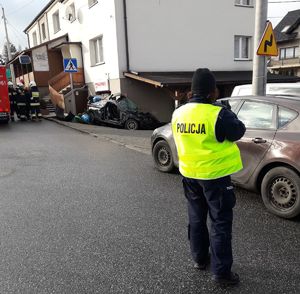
x: 288, y: 66
x: 90, y: 22
x: 149, y: 99
x: 34, y: 29
x: 163, y: 35
x: 43, y: 20
x: 176, y: 35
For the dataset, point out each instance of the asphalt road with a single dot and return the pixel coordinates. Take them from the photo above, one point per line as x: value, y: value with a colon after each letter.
x: 81, y: 215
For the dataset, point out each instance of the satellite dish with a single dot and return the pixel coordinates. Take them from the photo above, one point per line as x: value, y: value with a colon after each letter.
x: 69, y: 13
x: 80, y: 15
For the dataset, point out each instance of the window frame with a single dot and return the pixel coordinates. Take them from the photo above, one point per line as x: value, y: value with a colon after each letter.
x: 241, y: 38
x: 34, y: 39
x: 56, y: 22
x: 90, y: 5
x: 43, y: 30
x: 284, y: 49
x: 274, y: 114
x: 238, y: 3
x: 95, y: 49
x: 73, y: 8
x: 277, y: 116
x: 235, y: 108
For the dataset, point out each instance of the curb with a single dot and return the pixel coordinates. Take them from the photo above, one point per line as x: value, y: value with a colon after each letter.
x: 106, y: 138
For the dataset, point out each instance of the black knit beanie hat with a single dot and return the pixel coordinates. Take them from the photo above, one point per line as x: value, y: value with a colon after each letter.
x: 203, y: 82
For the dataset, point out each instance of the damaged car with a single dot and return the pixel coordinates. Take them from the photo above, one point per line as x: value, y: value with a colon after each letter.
x: 118, y: 110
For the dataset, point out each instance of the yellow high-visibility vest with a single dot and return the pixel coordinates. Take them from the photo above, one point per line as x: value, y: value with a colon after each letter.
x: 200, y: 154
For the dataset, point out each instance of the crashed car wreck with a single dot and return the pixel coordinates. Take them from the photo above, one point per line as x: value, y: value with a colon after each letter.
x: 118, y: 110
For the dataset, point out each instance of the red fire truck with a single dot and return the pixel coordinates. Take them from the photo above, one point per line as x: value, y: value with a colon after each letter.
x: 4, y: 100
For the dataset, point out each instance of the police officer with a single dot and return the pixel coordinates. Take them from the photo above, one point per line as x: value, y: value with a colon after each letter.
x: 34, y: 101
x: 12, y: 99
x: 204, y: 133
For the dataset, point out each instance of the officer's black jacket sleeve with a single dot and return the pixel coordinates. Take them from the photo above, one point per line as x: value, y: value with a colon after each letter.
x: 229, y: 127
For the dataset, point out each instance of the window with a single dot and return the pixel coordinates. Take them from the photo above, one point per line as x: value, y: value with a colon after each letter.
x: 43, y: 29
x: 242, y: 47
x: 244, y: 2
x: 288, y: 53
x: 96, y: 50
x: 34, y: 38
x: 231, y: 104
x: 71, y: 15
x: 56, y: 24
x: 285, y: 116
x: 256, y: 115
x: 285, y: 29
x: 92, y: 2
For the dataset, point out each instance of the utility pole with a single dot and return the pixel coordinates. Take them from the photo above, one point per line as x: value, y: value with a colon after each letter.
x: 259, y: 77
x: 8, y: 47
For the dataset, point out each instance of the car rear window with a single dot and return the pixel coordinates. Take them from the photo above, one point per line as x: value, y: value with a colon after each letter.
x: 285, y: 116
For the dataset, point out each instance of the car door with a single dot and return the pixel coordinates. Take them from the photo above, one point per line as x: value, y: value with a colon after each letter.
x: 260, y: 120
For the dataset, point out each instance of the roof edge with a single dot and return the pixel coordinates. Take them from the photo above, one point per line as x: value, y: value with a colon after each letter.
x: 40, y: 13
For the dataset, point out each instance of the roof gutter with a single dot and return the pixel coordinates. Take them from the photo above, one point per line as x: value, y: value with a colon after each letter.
x: 143, y: 79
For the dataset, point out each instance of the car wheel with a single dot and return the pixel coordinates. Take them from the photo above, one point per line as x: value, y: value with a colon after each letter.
x: 131, y: 124
x: 92, y: 117
x: 163, y: 158
x: 280, y: 191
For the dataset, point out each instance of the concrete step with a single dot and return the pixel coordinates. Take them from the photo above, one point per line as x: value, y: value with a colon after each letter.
x: 50, y: 107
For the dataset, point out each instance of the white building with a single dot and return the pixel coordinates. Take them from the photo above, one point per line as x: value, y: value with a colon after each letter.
x: 146, y: 49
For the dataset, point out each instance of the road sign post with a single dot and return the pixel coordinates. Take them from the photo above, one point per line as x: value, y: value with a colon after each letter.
x: 259, y: 63
x: 70, y: 66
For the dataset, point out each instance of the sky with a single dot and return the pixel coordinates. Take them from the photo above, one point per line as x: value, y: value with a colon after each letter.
x: 20, y: 13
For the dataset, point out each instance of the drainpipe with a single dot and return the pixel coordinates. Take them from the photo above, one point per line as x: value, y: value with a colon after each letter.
x: 126, y: 36
x: 28, y: 40
x: 82, y: 62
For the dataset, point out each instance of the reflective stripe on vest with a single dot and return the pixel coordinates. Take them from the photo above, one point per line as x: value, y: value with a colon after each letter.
x: 200, y: 154
x: 35, y: 94
x: 35, y: 104
x: 21, y: 104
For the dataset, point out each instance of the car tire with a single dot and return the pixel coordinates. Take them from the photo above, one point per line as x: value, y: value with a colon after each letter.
x: 280, y: 191
x: 131, y: 124
x: 163, y: 157
x: 92, y: 117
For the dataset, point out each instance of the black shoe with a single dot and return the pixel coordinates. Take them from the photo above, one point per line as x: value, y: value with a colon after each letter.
x: 202, y: 265
x: 231, y: 279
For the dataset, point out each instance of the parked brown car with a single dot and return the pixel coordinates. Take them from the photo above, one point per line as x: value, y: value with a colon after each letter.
x: 270, y: 150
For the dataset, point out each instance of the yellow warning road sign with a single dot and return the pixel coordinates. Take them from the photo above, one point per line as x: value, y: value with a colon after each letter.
x: 267, y: 45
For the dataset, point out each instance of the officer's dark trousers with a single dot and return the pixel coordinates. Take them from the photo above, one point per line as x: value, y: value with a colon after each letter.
x: 217, y: 198
x: 12, y: 109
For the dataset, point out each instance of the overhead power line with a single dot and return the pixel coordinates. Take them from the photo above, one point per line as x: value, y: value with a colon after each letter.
x: 288, y: 1
x: 20, y: 8
x: 17, y: 31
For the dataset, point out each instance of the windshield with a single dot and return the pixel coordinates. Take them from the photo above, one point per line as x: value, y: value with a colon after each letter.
x: 127, y: 104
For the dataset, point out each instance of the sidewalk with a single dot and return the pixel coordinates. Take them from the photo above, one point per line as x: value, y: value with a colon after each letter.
x: 138, y: 140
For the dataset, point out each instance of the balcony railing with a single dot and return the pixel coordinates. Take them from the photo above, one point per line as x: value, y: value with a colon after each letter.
x: 281, y: 62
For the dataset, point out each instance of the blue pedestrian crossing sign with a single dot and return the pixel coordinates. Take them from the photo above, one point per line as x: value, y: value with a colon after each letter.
x: 70, y: 65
